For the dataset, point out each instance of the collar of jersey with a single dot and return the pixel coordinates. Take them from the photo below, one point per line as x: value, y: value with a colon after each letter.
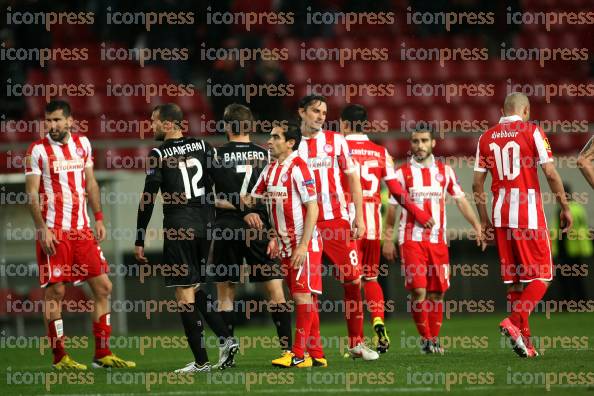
x: 510, y: 118
x: 357, y: 136
x: 290, y: 157
x: 414, y: 162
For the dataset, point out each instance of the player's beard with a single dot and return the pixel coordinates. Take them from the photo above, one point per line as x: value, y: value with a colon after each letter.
x: 58, y: 136
x: 421, y: 155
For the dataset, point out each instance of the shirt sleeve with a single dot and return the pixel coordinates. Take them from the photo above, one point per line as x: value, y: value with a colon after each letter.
x: 453, y: 187
x: 33, y: 160
x: 304, y: 182
x: 260, y: 186
x: 399, y: 176
x: 480, y: 164
x: 388, y: 171
x: 543, y: 147
x: 86, y: 143
x: 152, y: 184
x: 345, y: 161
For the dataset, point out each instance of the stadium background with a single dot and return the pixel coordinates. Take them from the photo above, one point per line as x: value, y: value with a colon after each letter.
x: 119, y: 153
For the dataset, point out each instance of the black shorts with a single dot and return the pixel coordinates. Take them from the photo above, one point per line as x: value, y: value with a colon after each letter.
x: 187, y: 258
x: 228, y: 255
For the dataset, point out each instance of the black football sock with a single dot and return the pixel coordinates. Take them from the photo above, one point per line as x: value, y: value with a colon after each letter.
x: 213, y: 318
x: 229, y: 319
x: 194, y: 329
x: 281, y: 316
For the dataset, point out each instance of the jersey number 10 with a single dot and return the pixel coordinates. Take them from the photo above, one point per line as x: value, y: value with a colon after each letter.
x: 507, y: 160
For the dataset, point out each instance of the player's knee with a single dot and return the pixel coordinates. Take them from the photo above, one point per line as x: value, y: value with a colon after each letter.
x: 435, y: 296
x: 418, y: 294
x: 55, y: 292
x: 103, y: 289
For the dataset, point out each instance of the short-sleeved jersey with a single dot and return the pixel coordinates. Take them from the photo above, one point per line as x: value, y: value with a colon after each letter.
x: 327, y: 156
x: 427, y: 187
x: 286, y: 187
x: 62, y: 186
x: 238, y: 167
x: 375, y: 164
x: 512, y: 151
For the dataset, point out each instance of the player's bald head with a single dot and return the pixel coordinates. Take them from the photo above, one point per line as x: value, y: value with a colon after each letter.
x: 516, y: 103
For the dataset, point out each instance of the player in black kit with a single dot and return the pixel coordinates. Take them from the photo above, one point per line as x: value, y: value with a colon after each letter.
x: 182, y: 169
x: 235, y: 235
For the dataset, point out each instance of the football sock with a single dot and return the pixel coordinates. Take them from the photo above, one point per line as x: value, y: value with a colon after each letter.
x: 532, y: 294
x: 55, y: 332
x: 435, y: 317
x: 375, y: 299
x: 420, y: 311
x: 194, y: 329
x: 314, y: 344
x: 229, y: 319
x: 304, y: 313
x: 214, y: 319
x: 281, y: 316
x: 512, y: 298
x: 353, y: 310
x: 102, y: 332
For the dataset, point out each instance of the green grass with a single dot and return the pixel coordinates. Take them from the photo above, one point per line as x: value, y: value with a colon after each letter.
x: 482, y: 365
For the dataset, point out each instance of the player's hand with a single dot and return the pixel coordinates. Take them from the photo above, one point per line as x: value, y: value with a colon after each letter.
x: 488, y: 233
x: 47, y: 240
x: 359, y: 228
x: 429, y: 223
x: 254, y: 221
x: 480, y: 237
x: 272, y: 249
x: 389, y: 251
x: 139, y: 254
x: 100, y: 231
x: 566, y: 220
x: 298, y: 257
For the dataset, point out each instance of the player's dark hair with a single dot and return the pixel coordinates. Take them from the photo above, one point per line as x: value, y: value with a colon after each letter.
x: 293, y: 131
x: 58, y: 104
x: 355, y: 115
x: 170, y: 112
x: 239, y: 118
x: 306, y: 101
x: 425, y: 129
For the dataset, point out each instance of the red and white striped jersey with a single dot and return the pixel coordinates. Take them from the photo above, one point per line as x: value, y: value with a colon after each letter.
x: 62, y: 187
x: 511, y: 151
x: 374, y: 164
x: 327, y: 155
x: 286, y: 187
x: 427, y: 187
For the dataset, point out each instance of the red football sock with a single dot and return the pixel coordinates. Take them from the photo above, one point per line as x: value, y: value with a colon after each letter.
x: 55, y: 332
x: 102, y: 332
x: 531, y: 295
x: 512, y: 300
x: 420, y: 313
x: 435, y: 317
x: 314, y: 345
x: 375, y: 299
x: 353, y: 310
x: 304, y: 313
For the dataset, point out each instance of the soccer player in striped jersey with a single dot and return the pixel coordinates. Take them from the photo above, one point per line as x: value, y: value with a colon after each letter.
x: 424, y: 252
x: 374, y: 164
x: 289, y: 191
x: 512, y: 151
x: 59, y: 180
x: 327, y: 155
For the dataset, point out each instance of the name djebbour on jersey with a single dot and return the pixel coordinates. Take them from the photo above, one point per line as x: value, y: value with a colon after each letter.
x: 71, y: 165
x: 184, y: 149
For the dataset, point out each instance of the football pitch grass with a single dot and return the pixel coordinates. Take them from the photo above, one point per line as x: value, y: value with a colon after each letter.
x: 477, y: 361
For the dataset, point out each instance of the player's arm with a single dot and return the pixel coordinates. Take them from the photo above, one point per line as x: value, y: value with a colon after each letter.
x: 46, y: 238
x: 389, y: 250
x: 556, y: 185
x: 466, y: 210
x: 480, y: 200
x: 585, y: 162
x: 152, y: 185
x: 311, y: 218
x: 94, y: 197
x: 354, y: 181
x: 404, y: 199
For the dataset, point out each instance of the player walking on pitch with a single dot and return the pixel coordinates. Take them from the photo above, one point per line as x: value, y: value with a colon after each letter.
x: 424, y: 252
x: 290, y: 193
x: 59, y: 179
x: 510, y: 152
x: 327, y: 155
x: 181, y: 168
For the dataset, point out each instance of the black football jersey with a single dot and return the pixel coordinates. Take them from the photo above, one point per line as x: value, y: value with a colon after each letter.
x: 237, y: 169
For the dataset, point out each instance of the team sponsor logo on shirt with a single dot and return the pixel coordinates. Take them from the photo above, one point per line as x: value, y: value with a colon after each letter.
x: 425, y: 192
x: 276, y: 192
x: 320, y: 163
x: 61, y: 166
